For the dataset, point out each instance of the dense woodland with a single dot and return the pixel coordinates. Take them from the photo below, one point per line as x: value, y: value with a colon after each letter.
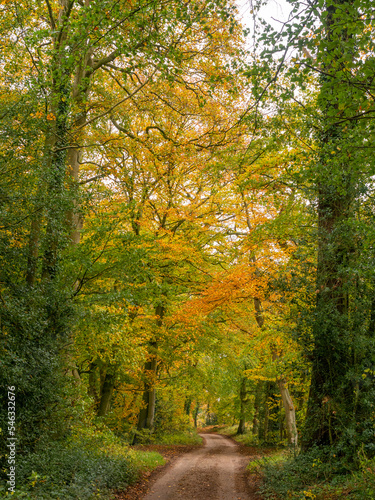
x: 187, y: 225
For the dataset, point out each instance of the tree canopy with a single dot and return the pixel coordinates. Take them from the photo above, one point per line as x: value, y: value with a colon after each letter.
x: 186, y: 220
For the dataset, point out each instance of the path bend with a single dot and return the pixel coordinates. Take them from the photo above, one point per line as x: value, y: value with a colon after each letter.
x: 214, y: 472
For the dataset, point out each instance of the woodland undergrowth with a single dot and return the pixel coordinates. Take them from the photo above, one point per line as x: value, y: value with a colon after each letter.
x: 317, y: 475
x: 91, y: 463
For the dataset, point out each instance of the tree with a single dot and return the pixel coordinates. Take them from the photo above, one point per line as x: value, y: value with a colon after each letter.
x: 161, y: 197
x: 58, y: 54
x: 332, y: 59
x: 338, y: 335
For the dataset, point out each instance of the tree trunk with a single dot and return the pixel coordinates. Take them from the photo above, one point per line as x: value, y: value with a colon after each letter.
x: 208, y: 417
x: 281, y: 422
x: 147, y: 413
x: 290, y: 414
x: 332, y: 401
x: 92, y: 387
x: 196, y: 412
x: 259, y: 317
x: 264, y: 434
x: 33, y: 250
x: 80, y: 90
x: 258, y: 394
x: 243, y: 402
x: 241, y: 426
x: 187, y: 405
x: 106, y: 393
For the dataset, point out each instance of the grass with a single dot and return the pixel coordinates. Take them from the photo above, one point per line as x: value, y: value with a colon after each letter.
x: 190, y: 437
x: 173, y: 437
x: 275, y: 459
x: 228, y: 431
x: 247, y: 439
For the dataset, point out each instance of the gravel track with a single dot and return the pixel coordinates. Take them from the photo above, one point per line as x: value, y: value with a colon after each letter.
x: 213, y: 472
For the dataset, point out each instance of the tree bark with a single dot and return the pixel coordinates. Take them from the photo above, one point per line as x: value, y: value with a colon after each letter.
x: 81, y: 86
x: 92, y: 385
x: 264, y: 428
x: 290, y: 413
x: 257, y: 400
x: 33, y: 250
x: 332, y: 400
x: 106, y: 393
x: 243, y: 403
x: 147, y: 413
x: 196, y: 412
x: 187, y: 405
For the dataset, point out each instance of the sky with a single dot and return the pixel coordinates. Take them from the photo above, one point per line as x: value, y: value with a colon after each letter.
x: 273, y: 12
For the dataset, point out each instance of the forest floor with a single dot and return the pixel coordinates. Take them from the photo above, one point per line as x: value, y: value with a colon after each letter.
x: 214, y: 471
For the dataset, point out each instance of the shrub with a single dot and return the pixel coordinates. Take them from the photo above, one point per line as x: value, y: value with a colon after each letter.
x: 89, y: 465
x: 319, y: 474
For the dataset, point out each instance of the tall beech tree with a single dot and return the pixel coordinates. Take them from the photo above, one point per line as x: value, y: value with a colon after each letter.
x: 328, y: 52
x: 335, y: 405
x: 162, y: 194
x: 55, y: 53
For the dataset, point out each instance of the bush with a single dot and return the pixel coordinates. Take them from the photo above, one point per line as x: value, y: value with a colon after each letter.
x: 296, y: 474
x: 89, y: 466
x: 318, y: 474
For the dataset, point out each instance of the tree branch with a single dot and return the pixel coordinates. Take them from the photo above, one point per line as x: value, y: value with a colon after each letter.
x: 117, y: 104
x: 53, y: 24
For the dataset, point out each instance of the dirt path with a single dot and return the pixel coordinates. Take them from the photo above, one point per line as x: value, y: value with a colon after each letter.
x: 214, y: 472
